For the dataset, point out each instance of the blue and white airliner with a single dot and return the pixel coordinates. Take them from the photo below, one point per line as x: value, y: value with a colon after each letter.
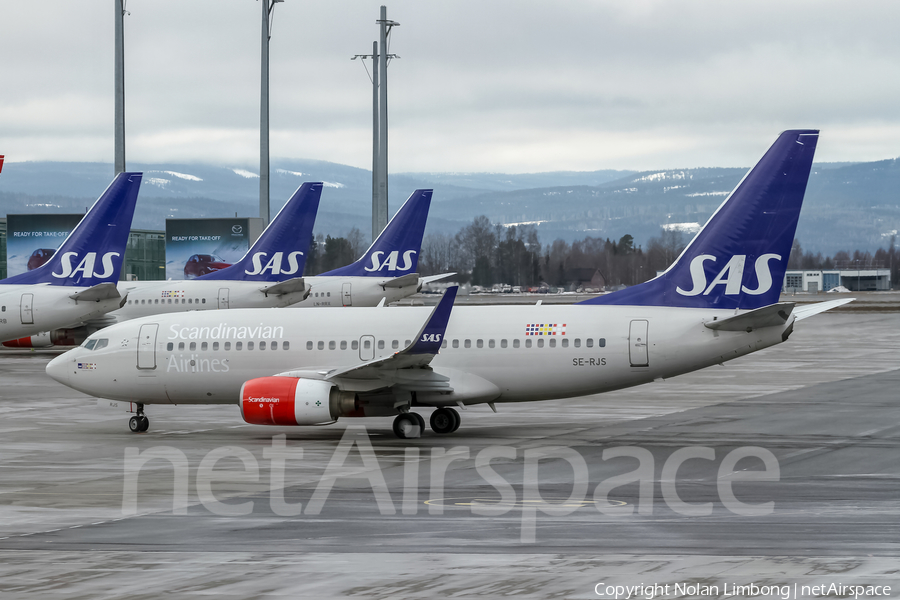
x: 78, y: 283
x: 718, y: 301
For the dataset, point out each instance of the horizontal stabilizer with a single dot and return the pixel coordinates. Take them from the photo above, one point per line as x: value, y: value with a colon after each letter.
x: 101, y: 291
x: 410, y: 279
x: 803, y: 312
x: 285, y: 287
x: 773, y: 315
x: 431, y: 278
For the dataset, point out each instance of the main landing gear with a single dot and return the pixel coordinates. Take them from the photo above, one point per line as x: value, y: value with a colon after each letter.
x: 139, y: 423
x: 445, y: 420
x: 411, y: 425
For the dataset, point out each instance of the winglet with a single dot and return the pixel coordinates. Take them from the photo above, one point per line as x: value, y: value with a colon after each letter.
x: 432, y: 334
x: 396, y: 250
x: 94, y: 251
x: 280, y: 252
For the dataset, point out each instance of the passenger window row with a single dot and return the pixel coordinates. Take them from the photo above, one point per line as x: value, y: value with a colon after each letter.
x: 517, y: 343
x: 367, y: 344
x: 163, y: 301
x: 226, y: 346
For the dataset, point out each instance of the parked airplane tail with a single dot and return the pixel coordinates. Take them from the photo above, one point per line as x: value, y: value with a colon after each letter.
x: 738, y: 259
x: 280, y: 252
x: 94, y: 251
x: 396, y: 251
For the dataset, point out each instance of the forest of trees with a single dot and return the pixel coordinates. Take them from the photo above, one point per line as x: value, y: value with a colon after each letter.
x: 483, y: 253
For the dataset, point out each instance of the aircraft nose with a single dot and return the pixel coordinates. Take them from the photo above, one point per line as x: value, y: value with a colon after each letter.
x: 59, y: 368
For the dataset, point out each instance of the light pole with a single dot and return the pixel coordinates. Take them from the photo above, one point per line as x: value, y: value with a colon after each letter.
x: 119, y: 111
x: 267, y: 10
x: 379, y: 123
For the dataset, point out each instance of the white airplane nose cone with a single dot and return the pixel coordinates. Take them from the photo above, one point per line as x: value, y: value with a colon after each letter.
x: 59, y: 367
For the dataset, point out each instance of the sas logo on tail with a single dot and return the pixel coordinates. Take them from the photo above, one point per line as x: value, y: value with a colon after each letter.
x: 86, y: 266
x: 731, y: 276
x: 274, y: 264
x: 431, y: 337
x: 390, y: 262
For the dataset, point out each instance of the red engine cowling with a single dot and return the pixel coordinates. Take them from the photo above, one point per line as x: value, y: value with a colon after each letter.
x: 57, y: 337
x: 294, y: 401
x: 40, y: 340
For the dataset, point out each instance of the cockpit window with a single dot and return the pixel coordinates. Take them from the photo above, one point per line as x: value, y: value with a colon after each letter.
x: 89, y: 345
x: 101, y: 343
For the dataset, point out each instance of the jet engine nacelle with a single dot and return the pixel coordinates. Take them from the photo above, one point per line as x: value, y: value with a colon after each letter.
x: 294, y: 401
x: 74, y: 336
x: 38, y: 340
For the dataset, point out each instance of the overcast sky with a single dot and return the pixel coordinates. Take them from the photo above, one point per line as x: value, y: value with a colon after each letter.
x: 512, y: 86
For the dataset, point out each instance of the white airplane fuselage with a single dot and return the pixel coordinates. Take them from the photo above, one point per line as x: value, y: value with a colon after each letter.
x: 147, y: 298
x: 29, y: 309
x: 490, y: 353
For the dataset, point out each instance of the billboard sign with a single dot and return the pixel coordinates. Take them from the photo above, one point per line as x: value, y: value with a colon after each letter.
x: 196, y: 247
x: 32, y: 239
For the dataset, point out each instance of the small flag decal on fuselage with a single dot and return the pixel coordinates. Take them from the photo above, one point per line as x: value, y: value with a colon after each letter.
x: 173, y: 294
x: 87, y: 366
x: 545, y: 329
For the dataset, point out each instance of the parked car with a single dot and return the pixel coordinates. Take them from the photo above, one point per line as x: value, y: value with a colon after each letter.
x: 39, y: 257
x: 203, y: 264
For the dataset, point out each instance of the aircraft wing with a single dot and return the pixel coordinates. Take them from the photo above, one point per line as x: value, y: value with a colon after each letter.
x: 418, y: 354
x: 804, y: 312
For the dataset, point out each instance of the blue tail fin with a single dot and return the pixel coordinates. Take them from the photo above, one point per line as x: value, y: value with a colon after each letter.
x: 739, y: 257
x: 93, y: 252
x: 280, y: 252
x: 396, y: 251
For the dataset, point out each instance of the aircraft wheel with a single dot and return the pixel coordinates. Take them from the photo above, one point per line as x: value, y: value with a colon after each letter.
x: 145, y: 423
x: 134, y: 424
x: 456, y: 419
x: 406, y: 426
x: 421, y: 421
x: 444, y: 420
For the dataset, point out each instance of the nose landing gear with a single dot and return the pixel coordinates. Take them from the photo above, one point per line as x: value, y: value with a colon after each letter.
x: 139, y: 423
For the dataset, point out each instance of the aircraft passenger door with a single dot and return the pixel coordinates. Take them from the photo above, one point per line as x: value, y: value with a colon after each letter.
x: 223, y: 298
x: 146, y: 350
x: 26, y: 313
x: 345, y: 295
x: 367, y: 347
x: 637, y: 343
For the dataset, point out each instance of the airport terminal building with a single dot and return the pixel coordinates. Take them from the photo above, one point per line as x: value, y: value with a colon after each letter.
x: 863, y: 279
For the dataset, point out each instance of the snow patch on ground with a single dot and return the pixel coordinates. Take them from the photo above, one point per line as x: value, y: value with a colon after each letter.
x: 182, y: 175
x: 683, y: 227
x: 158, y: 182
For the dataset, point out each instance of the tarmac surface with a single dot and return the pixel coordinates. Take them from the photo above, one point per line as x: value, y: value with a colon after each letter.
x: 90, y: 510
